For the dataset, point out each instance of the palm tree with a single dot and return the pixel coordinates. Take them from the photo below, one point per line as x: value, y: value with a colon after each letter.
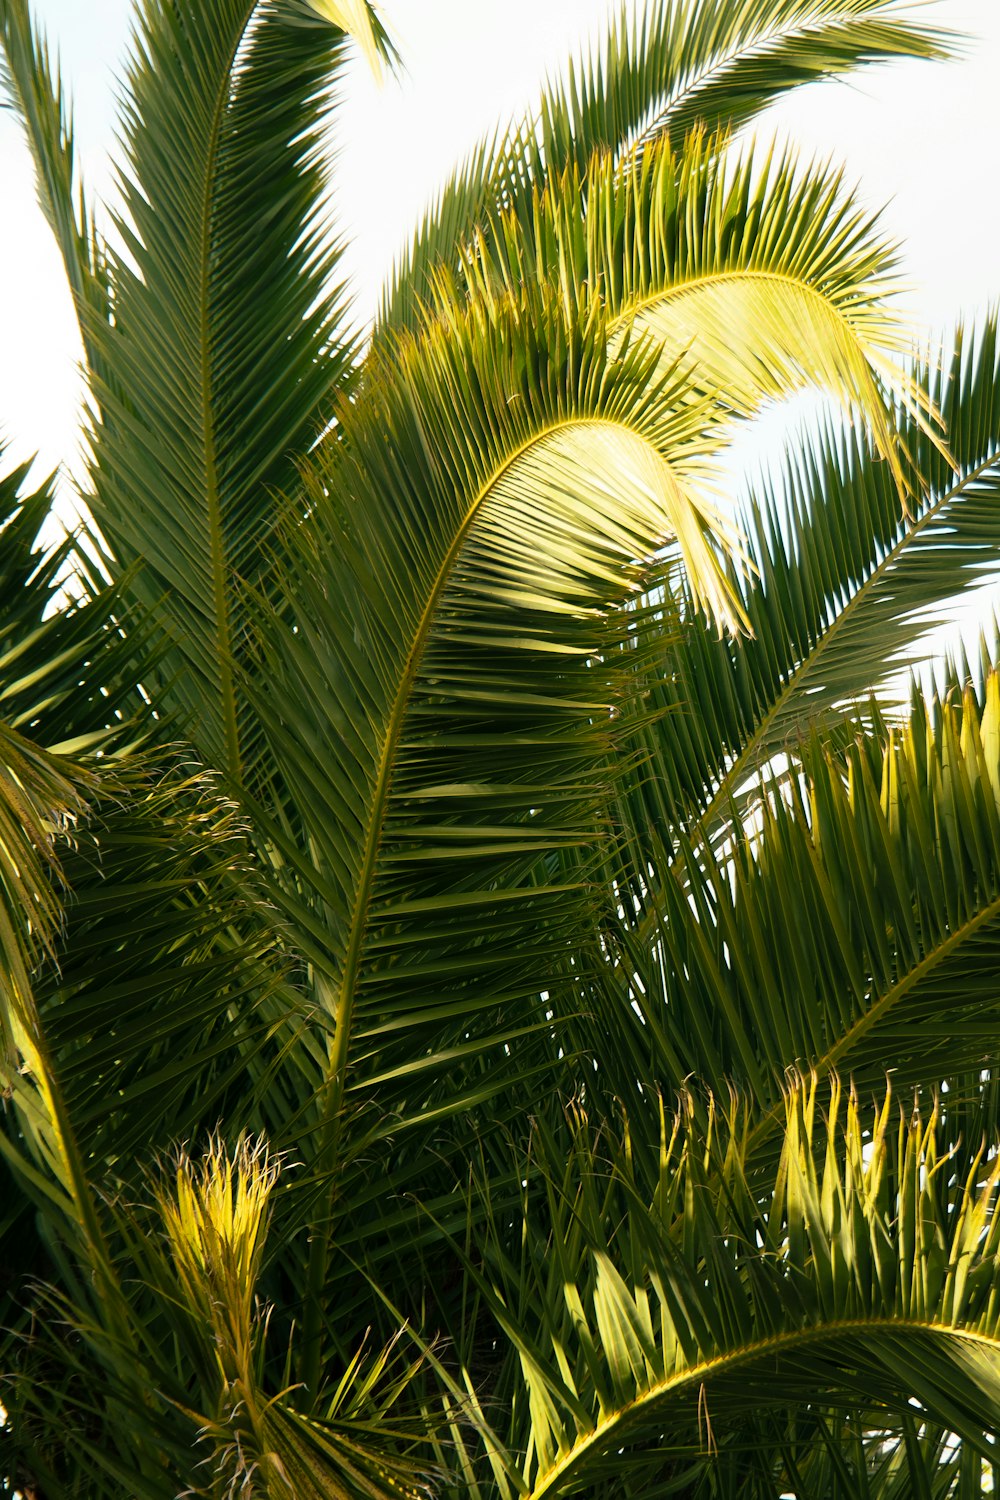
x: 465, y: 885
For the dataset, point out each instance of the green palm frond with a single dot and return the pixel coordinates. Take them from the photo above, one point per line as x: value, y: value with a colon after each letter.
x: 215, y: 1215
x: 211, y: 391
x: 764, y: 276
x: 845, y: 586
x: 54, y: 704
x: 161, y: 1008
x: 68, y: 666
x: 842, y: 1459
x: 674, y: 66
x: 439, y: 710
x: 656, y: 1320
x: 131, y: 964
x: 854, y: 925
x: 30, y: 80
x: 168, y: 996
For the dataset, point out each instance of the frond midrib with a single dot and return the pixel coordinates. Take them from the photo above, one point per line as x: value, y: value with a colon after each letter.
x: 217, y: 543
x: 733, y: 273
x: 696, y: 1374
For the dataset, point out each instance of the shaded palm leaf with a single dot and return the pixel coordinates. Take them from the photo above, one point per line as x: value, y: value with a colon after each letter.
x: 652, y: 1322
x: 216, y: 390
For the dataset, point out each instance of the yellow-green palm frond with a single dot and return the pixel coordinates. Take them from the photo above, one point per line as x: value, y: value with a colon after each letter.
x: 674, y: 66
x: 667, y: 1318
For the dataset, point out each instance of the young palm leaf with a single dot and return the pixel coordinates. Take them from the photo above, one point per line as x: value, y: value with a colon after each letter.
x: 765, y: 277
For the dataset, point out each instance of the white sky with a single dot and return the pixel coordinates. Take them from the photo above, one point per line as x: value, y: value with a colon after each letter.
x: 922, y: 140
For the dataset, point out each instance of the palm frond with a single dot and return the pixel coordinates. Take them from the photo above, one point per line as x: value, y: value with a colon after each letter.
x: 439, y: 708
x: 30, y: 79
x: 765, y: 276
x: 655, y: 1320
x: 212, y: 392
x: 160, y: 1015
x: 180, y: 1396
x: 844, y: 589
x: 673, y: 66
x: 852, y: 927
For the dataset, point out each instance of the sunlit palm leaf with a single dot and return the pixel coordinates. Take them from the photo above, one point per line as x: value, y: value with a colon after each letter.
x: 855, y: 926
x: 845, y: 585
x: 676, y: 65
x: 766, y: 277
x: 439, y: 710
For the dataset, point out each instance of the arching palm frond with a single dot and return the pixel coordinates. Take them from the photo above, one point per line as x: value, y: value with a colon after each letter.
x: 764, y: 276
x: 675, y: 66
x: 655, y: 1319
x: 439, y: 710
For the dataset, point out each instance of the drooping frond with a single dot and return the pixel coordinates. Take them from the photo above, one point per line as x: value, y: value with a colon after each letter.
x: 764, y: 276
x: 677, y: 64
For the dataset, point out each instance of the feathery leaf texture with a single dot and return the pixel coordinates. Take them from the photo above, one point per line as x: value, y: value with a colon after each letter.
x: 516, y: 767
x: 653, y: 1322
x: 674, y: 66
x: 209, y: 393
x: 843, y: 592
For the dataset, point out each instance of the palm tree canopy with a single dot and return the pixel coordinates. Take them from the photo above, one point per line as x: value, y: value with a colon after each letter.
x: 464, y: 882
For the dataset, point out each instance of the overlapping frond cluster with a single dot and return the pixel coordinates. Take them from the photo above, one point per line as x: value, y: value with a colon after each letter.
x: 436, y: 780
x: 662, y: 1313
x: 667, y: 69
